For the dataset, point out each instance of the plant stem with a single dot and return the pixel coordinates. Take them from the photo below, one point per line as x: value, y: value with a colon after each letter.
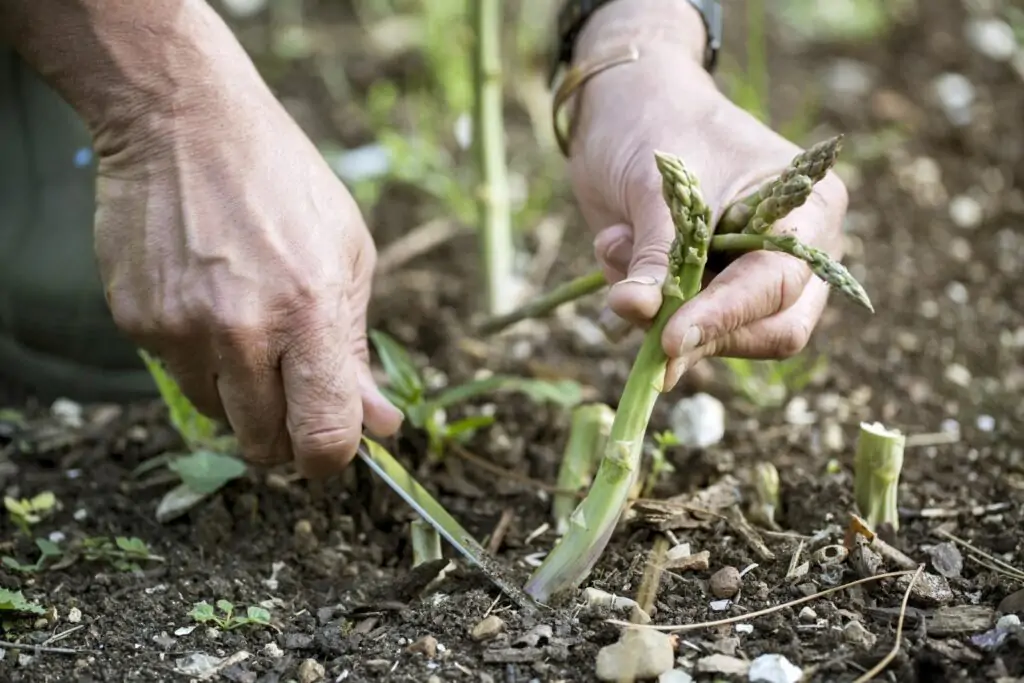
x: 497, y: 249
x: 546, y: 303
x: 426, y: 542
x: 877, y: 466
x: 588, y: 433
x: 831, y: 271
x: 594, y: 520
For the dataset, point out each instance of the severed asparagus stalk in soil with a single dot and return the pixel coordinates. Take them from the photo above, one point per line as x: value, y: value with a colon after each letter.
x: 588, y: 433
x: 594, y: 520
x: 876, y: 472
x: 811, y: 164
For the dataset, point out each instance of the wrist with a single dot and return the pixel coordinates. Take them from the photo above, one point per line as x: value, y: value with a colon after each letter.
x: 672, y: 26
x: 139, y: 74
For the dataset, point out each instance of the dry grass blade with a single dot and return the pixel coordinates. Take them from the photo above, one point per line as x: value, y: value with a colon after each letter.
x: 878, y: 668
x: 760, y: 613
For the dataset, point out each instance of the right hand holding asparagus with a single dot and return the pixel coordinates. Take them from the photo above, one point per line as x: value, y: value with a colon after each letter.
x: 764, y: 304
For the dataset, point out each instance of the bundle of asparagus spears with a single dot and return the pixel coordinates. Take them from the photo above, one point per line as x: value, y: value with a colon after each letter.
x: 745, y: 226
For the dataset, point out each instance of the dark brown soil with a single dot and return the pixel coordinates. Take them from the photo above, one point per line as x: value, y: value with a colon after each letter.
x: 945, y: 296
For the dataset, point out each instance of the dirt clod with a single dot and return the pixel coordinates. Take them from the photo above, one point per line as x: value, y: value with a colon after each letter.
x: 427, y: 646
x: 487, y: 628
x: 639, y: 654
x: 726, y: 582
x: 311, y: 671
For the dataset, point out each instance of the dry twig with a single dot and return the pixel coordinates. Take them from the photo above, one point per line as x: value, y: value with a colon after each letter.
x: 878, y: 668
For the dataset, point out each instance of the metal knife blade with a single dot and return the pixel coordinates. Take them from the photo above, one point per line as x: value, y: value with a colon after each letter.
x: 378, y: 459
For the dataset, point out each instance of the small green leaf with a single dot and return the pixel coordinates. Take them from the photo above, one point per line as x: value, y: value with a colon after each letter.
x: 44, y: 502
x: 225, y: 607
x: 202, y: 612
x: 257, y: 615
x: 565, y: 393
x: 463, y: 429
x: 205, y: 471
x: 402, y: 373
x: 134, y: 546
x: 48, y: 548
x: 196, y: 429
x: 15, y: 601
x: 12, y: 563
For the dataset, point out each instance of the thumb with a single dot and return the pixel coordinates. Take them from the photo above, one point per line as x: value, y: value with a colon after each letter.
x: 637, y: 298
x: 321, y: 387
x: 380, y: 416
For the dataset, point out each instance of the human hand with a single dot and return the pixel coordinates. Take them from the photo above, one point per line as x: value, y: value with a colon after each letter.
x: 230, y: 250
x: 763, y: 305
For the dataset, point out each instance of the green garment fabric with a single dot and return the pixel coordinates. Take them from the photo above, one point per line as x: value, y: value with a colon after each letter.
x: 57, y: 337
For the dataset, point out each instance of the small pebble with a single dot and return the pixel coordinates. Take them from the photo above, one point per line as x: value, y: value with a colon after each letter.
x: 808, y: 615
x: 273, y: 650
x: 774, y: 668
x: 427, y: 645
x: 487, y: 628
x: 956, y: 95
x: 723, y: 664
x: 986, y: 423
x: 639, y: 654
x: 675, y: 676
x: 855, y: 634
x: 947, y: 560
x: 992, y: 37
x: 929, y: 589
x: 74, y: 615
x: 698, y: 421
x: 965, y: 212
x: 697, y: 562
x: 958, y: 375
x: 726, y: 582
x: 311, y: 671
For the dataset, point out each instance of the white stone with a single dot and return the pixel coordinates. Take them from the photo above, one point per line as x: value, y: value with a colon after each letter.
x: 698, y: 421
x: 772, y: 668
x: 965, y: 211
x: 992, y: 37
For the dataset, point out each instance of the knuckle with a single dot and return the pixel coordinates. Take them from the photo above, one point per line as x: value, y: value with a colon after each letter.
x: 792, y: 340
x: 314, y: 441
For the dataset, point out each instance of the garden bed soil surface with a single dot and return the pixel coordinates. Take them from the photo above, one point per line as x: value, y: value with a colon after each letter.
x: 334, y: 559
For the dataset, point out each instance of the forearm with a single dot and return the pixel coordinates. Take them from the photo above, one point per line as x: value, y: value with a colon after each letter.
x: 662, y: 26
x: 129, y: 67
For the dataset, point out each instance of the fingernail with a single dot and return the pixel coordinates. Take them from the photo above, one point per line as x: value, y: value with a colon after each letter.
x: 673, y: 373
x: 646, y: 280
x: 691, y: 340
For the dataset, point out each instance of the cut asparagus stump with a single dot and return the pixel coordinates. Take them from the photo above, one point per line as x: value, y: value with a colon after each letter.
x: 877, y: 466
x: 588, y: 433
x: 594, y: 520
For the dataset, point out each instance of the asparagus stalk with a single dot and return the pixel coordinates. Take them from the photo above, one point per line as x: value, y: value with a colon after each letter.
x: 877, y: 466
x: 547, y: 302
x: 497, y: 249
x: 822, y: 265
x: 812, y: 163
x: 594, y: 520
x: 588, y: 432
x: 426, y: 542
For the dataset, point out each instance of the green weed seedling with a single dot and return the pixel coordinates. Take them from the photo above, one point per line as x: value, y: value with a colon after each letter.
x: 122, y: 553
x: 767, y: 384
x: 14, y: 603
x: 26, y: 512
x: 203, y: 613
x: 209, y: 463
x: 660, y: 465
x: 408, y: 392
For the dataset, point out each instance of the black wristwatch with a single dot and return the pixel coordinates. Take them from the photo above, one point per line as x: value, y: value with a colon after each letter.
x: 575, y: 13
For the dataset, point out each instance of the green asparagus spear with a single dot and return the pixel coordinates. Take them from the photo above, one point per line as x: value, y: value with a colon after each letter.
x: 783, y: 197
x: 594, y: 520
